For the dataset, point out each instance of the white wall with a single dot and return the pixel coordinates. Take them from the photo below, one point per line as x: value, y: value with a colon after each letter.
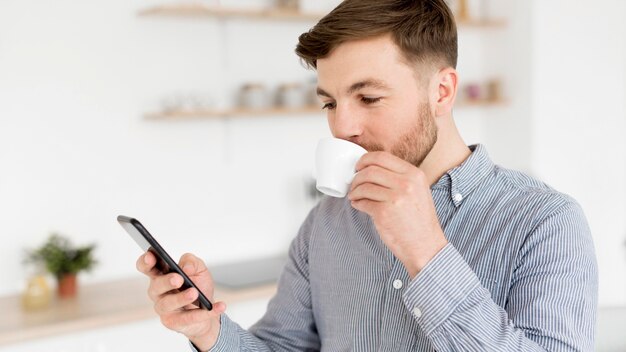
x: 75, y: 79
x: 579, y: 119
x: 564, y: 67
x: 507, y: 131
x: 75, y: 152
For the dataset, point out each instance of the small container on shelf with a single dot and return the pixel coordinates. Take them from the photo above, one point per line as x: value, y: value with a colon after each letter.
x: 473, y: 92
x: 487, y: 92
x: 291, y: 96
x: 170, y: 103
x: 186, y: 102
x: 463, y: 12
x: 312, y: 99
x: 37, y: 294
x: 254, y: 96
x: 288, y: 5
x: 460, y: 9
x: 493, y: 89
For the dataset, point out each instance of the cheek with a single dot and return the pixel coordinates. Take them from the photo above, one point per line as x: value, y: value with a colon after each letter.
x: 398, y: 120
x: 383, y: 131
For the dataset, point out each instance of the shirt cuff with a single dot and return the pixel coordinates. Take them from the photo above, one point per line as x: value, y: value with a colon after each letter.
x: 434, y: 294
x: 227, y: 339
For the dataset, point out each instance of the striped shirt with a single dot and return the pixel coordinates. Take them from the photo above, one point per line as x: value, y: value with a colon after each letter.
x: 519, y: 274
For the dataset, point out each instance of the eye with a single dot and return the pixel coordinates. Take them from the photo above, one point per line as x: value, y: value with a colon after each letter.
x: 329, y: 106
x: 368, y: 100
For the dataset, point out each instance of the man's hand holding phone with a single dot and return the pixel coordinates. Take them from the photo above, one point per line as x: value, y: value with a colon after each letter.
x: 175, y: 307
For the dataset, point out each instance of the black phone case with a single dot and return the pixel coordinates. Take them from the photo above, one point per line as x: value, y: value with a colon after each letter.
x: 164, y: 262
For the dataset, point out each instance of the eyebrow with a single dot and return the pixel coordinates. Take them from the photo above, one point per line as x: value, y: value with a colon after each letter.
x: 368, y: 83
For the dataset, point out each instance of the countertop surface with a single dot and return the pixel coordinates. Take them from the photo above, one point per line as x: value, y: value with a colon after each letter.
x: 97, y: 305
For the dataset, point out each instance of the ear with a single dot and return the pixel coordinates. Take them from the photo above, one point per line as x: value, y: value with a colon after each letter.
x: 443, y: 88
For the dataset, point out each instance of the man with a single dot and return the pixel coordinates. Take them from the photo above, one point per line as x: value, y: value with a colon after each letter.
x: 435, y: 247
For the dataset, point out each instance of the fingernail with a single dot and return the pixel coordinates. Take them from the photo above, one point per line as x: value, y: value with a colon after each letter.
x: 191, y: 293
x: 145, y: 259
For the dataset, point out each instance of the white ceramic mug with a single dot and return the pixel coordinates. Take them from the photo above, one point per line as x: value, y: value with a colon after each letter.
x: 335, y: 161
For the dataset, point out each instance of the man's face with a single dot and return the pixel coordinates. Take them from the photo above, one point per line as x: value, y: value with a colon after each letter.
x: 376, y: 100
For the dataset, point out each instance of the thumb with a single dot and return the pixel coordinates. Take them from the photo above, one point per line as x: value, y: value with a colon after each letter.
x: 218, y: 308
x: 191, y: 264
x: 189, y: 269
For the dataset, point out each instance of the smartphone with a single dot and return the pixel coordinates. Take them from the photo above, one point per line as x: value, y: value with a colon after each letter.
x: 164, y: 263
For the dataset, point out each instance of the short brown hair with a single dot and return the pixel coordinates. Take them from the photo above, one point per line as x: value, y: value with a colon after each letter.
x: 424, y: 30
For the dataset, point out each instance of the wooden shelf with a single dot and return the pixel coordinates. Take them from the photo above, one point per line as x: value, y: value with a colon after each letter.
x: 313, y: 110
x: 97, y: 305
x: 203, y: 11
x: 200, y: 10
x: 484, y: 24
x: 236, y: 112
x: 481, y: 103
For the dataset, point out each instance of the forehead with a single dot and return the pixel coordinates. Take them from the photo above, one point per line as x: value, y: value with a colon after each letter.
x: 378, y: 58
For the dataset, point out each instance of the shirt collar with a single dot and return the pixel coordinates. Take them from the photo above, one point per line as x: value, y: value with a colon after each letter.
x: 462, y: 180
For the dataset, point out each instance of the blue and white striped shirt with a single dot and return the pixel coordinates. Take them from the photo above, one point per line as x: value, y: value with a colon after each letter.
x: 519, y: 274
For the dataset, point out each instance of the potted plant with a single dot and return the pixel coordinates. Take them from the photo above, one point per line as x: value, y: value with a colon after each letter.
x: 64, y: 261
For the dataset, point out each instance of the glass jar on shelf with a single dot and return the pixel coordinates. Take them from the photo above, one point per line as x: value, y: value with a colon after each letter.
x: 37, y: 294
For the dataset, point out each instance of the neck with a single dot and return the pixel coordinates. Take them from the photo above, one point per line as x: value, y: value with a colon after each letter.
x: 448, y: 152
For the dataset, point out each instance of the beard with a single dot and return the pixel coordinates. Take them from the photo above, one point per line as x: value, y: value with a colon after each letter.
x: 417, y: 143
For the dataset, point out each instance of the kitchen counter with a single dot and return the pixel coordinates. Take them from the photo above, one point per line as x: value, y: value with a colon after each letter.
x: 125, y: 301
x: 97, y: 305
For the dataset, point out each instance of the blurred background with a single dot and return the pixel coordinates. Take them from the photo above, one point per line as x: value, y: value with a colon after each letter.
x: 200, y: 123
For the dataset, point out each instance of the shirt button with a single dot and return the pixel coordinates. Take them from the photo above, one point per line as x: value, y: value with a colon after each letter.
x: 457, y: 197
x: 397, y: 284
x: 417, y: 312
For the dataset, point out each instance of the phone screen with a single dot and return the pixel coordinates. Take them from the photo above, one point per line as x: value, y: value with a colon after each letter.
x: 165, y: 263
x: 131, y: 227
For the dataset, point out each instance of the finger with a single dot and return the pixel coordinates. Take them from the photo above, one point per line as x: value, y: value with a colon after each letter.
x: 365, y: 205
x: 197, y: 271
x: 192, y: 265
x: 175, y: 301
x: 219, y: 308
x: 385, y: 160
x: 189, y: 269
x: 145, y: 264
x: 376, y: 175
x: 190, y: 322
x: 194, y: 319
x: 371, y: 192
x: 163, y: 284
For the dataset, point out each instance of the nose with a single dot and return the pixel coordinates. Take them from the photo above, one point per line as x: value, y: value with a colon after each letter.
x: 344, y: 123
